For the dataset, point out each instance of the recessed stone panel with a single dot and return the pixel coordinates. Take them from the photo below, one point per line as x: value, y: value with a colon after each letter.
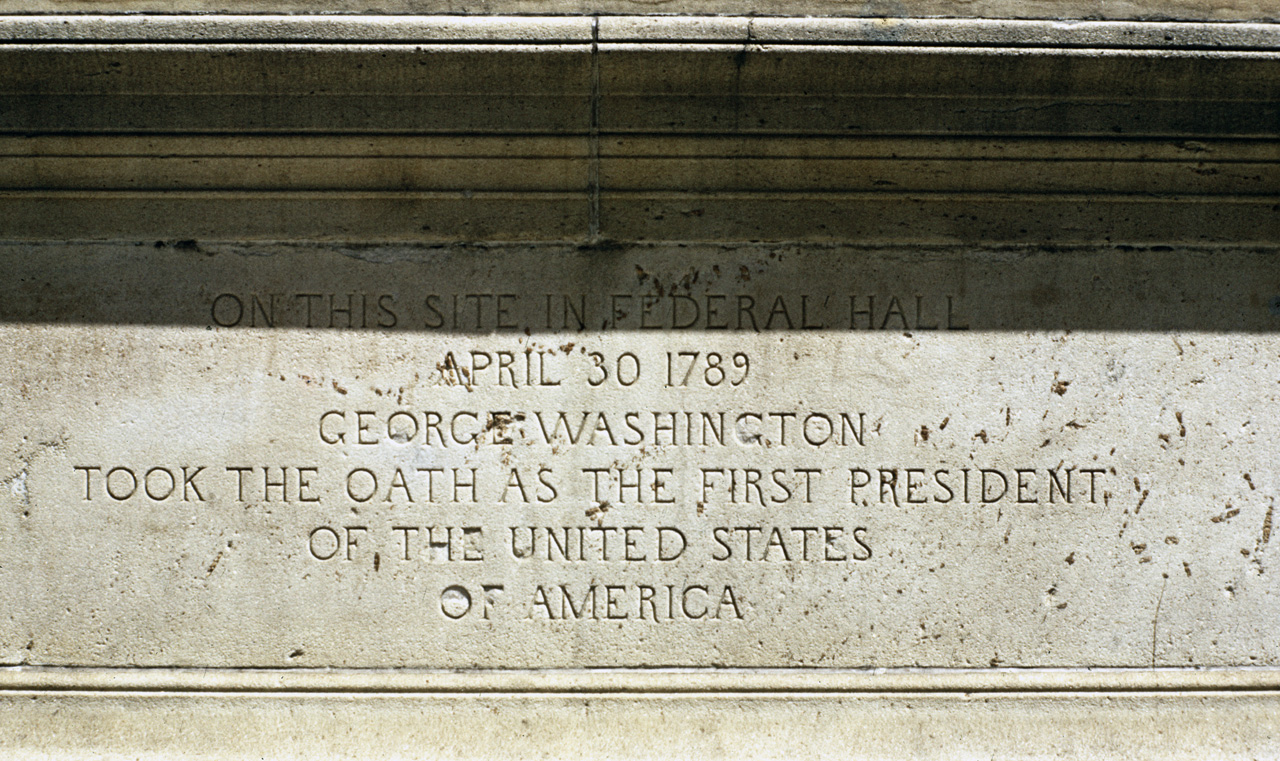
x: 529, y: 457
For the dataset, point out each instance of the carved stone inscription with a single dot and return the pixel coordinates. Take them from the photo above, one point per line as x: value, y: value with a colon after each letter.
x: 619, y: 459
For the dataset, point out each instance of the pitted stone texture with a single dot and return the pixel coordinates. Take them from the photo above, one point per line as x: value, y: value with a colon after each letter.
x: 966, y: 466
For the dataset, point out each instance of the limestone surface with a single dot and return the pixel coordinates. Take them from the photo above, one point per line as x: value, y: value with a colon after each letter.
x: 648, y: 456
x: 802, y: 379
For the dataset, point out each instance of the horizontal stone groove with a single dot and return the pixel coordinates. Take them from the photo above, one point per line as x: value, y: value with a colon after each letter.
x: 656, y: 165
x: 879, y: 218
x: 329, y: 29
x: 640, y: 681
x: 651, y: 145
x: 623, y: 196
x: 1261, y: 53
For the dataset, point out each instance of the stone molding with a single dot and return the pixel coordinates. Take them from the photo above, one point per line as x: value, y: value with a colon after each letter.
x: 638, y: 128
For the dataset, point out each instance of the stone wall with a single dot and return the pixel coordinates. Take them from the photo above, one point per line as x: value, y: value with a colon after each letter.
x: 835, y: 381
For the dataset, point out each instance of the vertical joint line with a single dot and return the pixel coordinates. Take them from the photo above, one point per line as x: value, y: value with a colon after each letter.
x: 593, y: 138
